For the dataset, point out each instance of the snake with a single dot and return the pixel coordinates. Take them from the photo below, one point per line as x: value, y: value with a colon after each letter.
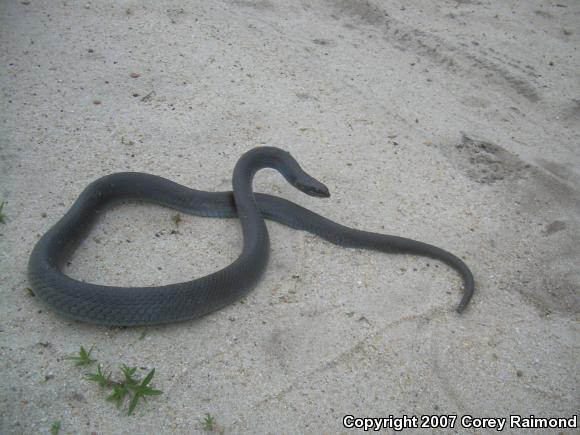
x: 134, y: 306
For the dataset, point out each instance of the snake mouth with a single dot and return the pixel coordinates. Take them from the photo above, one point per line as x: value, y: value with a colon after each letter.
x: 315, y: 189
x: 320, y: 193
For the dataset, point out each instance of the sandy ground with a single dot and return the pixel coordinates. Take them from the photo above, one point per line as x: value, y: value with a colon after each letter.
x: 452, y: 122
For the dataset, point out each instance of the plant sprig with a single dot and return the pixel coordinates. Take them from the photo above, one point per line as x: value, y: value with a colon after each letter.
x: 129, y: 387
x: 83, y: 358
x: 2, y: 215
x: 100, y: 378
x: 176, y: 218
x: 142, y: 390
x: 55, y: 428
x: 208, y: 422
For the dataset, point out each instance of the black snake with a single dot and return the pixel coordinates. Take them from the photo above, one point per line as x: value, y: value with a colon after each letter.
x: 129, y: 306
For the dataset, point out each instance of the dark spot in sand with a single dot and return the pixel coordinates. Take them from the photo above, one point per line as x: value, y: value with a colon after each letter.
x: 78, y: 397
x: 361, y: 10
x: 304, y: 96
x: 260, y: 5
x: 484, y: 161
x: 543, y: 13
x: 321, y: 41
x: 555, y: 227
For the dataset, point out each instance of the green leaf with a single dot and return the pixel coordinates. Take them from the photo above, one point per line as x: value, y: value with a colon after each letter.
x: 128, y: 372
x: 84, y: 357
x: 118, y: 395
x: 148, y: 378
x: 100, y: 377
x: 148, y: 391
x: 133, y: 404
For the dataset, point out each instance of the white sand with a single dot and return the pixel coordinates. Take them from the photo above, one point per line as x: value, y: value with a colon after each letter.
x: 371, y: 98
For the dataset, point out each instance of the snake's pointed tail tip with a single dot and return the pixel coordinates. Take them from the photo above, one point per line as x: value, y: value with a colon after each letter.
x: 462, y: 306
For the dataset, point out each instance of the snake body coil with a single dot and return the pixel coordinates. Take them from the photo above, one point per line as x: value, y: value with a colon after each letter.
x: 130, y: 306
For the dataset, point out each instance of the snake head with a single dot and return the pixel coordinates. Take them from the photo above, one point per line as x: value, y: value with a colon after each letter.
x: 312, y: 187
x: 282, y: 161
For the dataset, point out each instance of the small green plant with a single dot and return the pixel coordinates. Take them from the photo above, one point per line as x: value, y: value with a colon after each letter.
x: 129, y: 387
x: 176, y: 218
x: 208, y: 422
x: 83, y: 358
x: 2, y: 215
x: 100, y: 377
x: 55, y: 428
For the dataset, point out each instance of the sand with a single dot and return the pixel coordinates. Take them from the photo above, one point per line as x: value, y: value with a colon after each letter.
x: 454, y: 122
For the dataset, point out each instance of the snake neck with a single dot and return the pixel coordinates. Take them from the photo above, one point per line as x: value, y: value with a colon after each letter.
x: 254, y: 229
x: 245, y: 170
